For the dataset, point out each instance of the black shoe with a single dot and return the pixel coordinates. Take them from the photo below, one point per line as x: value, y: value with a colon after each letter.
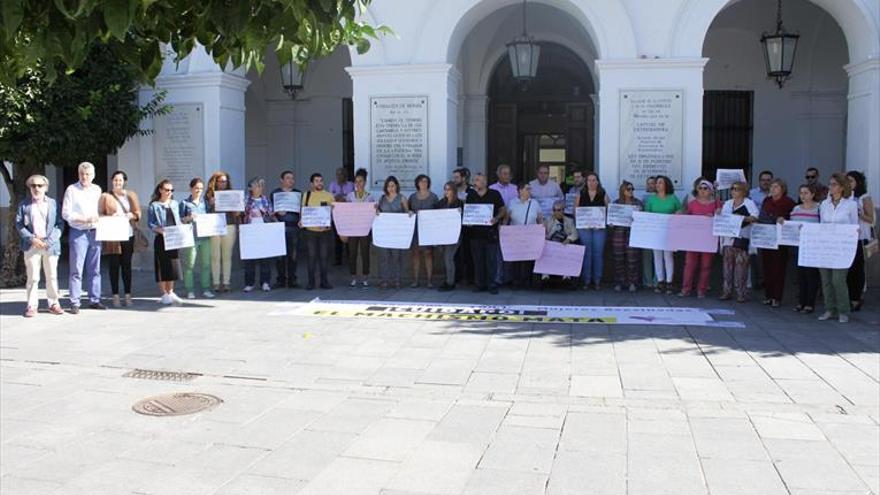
x: 97, y: 305
x: 326, y: 286
x: 74, y: 310
x: 446, y: 287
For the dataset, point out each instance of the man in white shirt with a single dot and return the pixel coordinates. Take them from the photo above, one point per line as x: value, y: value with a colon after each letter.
x: 80, y: 210
x: 504, y: 186
x: 545, y: 191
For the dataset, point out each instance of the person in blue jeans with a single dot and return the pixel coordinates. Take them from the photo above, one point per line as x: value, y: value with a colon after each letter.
x: 593, y: 239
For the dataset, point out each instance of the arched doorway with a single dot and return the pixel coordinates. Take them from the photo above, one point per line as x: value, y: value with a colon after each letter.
x: 551, y: 121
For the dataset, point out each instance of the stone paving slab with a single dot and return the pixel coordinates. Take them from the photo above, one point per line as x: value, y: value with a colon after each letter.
x: 343, y: 406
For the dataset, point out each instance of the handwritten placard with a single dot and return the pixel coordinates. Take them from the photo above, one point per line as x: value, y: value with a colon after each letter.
x: 478, y: 214
x: 354, y: 219
x: 621, y: 215
x: 210, y: 225
x: 315, y: 216
x: 261, y: 240
x: 649, y: 230
x: 560, y: 259
x: 790, y: 233
x: 726, y: 177
x: 828, y: 245
x: 229, y: 200
x: 113, y: 228
x: 178, y: 236
x: 287, y: 201
x: 393, y: 230
x: 691, y: 233
x: 522, y: 242
x: 765, y: 236
x: 439, y: 227
x: 727, y: 225
x: 589, y: 217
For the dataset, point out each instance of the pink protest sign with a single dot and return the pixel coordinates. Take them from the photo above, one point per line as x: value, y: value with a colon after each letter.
x: 560, y: 259
x: 522, y: 242
x: 692, y: 233
x: 354, y: 219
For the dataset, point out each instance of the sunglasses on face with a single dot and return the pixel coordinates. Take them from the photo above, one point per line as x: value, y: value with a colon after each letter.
x: 36, y: 186
x: 811, y: 177
x: 165, y: 189
x: 703, y: 188
x: 628, y: 189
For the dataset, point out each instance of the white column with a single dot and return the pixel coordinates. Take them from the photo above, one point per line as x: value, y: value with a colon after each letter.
x: 863, y: 122
x: 475, y: 133
x: 438, y: 82
x: 684, y: 75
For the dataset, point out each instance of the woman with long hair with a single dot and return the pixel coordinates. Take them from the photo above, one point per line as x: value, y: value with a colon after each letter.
x: 190, y: 208
x: 164, y: 212
x: 838, y: 207
x: 450, y: 200
x: 422, y: 199
x: 807, y: 277
x: 359, y: 245
x: 221, y: 246
x: 663, y: 201
x: 627, y: 260
x: 593, y: 239
x: 119, y: 201
x: 855, y: 278
x: 390, y: 259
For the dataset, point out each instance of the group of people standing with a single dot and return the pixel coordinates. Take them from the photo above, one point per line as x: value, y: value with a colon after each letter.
x: 475, y: 258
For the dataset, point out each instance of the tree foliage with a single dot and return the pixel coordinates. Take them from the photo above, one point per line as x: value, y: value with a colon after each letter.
x: 234, y: 32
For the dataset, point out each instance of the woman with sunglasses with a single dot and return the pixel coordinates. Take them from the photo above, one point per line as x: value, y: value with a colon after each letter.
x: 777, y: 205
x: 838, y: 207
x: 735, y: 250
x: 39, y: 224
x: 627, y: 271
x: 703, y: 203
x: 221, y: 246
x: 666, y: 202
x: 164, y: 212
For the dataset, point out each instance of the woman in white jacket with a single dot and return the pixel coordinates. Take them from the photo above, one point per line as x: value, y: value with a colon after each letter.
x: 735, y: 250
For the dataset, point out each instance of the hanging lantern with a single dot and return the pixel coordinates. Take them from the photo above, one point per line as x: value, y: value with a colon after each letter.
x: 292, y: 78
x: 523, y: 53
x: 779, y: 50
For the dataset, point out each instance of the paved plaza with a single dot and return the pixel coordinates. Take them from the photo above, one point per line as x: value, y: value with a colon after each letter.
x: 786, y: 405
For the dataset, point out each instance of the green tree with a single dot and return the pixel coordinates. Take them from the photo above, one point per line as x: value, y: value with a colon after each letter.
x: 236, y: 32
x: 79, y: 117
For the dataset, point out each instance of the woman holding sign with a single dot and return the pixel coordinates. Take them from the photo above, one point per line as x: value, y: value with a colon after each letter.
x: 390, y: 259
x: 626, y: 259
x: 257, y: 209
x: 221, y: 246
x: 422, y: 199
x: 120, y: 202
x: 523, y: 210
x: 777, y: 205
x: 450, y: 200
x: 703, y: 203
x: 164, y: 212
x: 855, y: 278
x: 807, y: 277
x: 735, y: 250
x: 359, y: 245
x: 593, y: 238
x: 665, y: 201
x: 192, y: 206
x: 838, y: 207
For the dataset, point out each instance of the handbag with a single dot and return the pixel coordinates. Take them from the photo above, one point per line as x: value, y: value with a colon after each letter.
x: 871, y: 247
x: 140, y: 241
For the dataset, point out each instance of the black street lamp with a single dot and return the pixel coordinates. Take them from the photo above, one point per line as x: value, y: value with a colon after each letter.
x: 524, y: 53
x: 779, y: 50
x: 292, y: 78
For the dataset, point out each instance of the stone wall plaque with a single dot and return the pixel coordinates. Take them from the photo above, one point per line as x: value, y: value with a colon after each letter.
x: 179, y: 146
x: 651, y: 135
x: 398, y: 139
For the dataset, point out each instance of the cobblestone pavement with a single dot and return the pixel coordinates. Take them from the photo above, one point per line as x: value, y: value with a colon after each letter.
x: 343, y: 406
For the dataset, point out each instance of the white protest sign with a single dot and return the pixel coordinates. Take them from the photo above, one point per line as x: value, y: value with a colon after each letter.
x: 113, y: 228
x: 828, y: 245
x: 522, y: 242
x: 621, y: 215
x: 569, y: 200
x: 478, y: 214
x: 439, y: 227
x: 393, y: 230
x: 725, y: 177
x: 589, y: 217
x: 316, y: 216
x: 790, y: 233
x: 210, y: 225
x: 765, y: 236
x: 287, y: 201
x: 560, y: 259
x: 261, y: 240
x: 727, y: 225
x: 650, y: 230
x: 178, y: 236
x: 229, y: 200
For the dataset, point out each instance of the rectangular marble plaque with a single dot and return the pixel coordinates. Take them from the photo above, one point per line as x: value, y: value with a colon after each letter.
x: 179, y: 146
x: 398, y: 138
x: 651, y: 134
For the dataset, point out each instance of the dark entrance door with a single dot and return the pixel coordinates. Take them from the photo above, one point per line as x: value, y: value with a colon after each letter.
x: 550, y: 122
x: 727, y: 131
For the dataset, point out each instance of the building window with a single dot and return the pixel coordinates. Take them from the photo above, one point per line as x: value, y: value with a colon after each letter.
x: 727, y: 131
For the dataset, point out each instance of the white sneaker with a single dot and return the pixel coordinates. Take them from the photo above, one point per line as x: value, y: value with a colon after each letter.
x: 365, y: 284
x: 826, y: 316
x: 248, y: 288
x: 266, y: 287
x: 166, y: 299
x: 208, y: 294
x: 191, y: 295
x: 175, y: 299
x: 353, y: 283
x: 843, y: 319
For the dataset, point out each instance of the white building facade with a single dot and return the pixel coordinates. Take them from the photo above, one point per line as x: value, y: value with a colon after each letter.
x: 446, y: 69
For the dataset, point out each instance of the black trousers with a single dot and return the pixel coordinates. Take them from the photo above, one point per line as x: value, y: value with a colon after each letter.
x: 855, y: 277
x: 808, y: 281
x: 484, y: 254
x: 318, y: 245
x: 464, y: 261
x: 121, y: 262
x: 286, y: 265
x: 359, y: 246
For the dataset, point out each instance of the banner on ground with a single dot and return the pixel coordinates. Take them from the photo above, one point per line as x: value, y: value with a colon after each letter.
x: 828, y: 245
x: 354, y: 219
x: 232, y: 200
x: 113, y: 228
x: 501, y: 313
x: 178, y: 236
x: 439, y: 227
x: 521, y: 242
x: 261, y: 240
x: 210, y: 224
x: 394, y: 230
x: 560, y: 259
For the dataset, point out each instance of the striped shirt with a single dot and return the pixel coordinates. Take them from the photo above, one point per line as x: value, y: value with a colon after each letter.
x: 805, y: 215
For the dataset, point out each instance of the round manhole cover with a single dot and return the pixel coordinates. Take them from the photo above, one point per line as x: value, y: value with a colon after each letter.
x: 175, y: 404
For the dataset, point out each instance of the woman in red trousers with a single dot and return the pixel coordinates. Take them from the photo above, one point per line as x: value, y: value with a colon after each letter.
x: 777, y: 205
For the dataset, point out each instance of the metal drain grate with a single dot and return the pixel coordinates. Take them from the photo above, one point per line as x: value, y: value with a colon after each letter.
x: 176, y: 404
x: 165, y: 376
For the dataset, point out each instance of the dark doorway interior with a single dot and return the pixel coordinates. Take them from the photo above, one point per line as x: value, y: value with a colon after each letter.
x: 550, y: 122
x: 727, y: 131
